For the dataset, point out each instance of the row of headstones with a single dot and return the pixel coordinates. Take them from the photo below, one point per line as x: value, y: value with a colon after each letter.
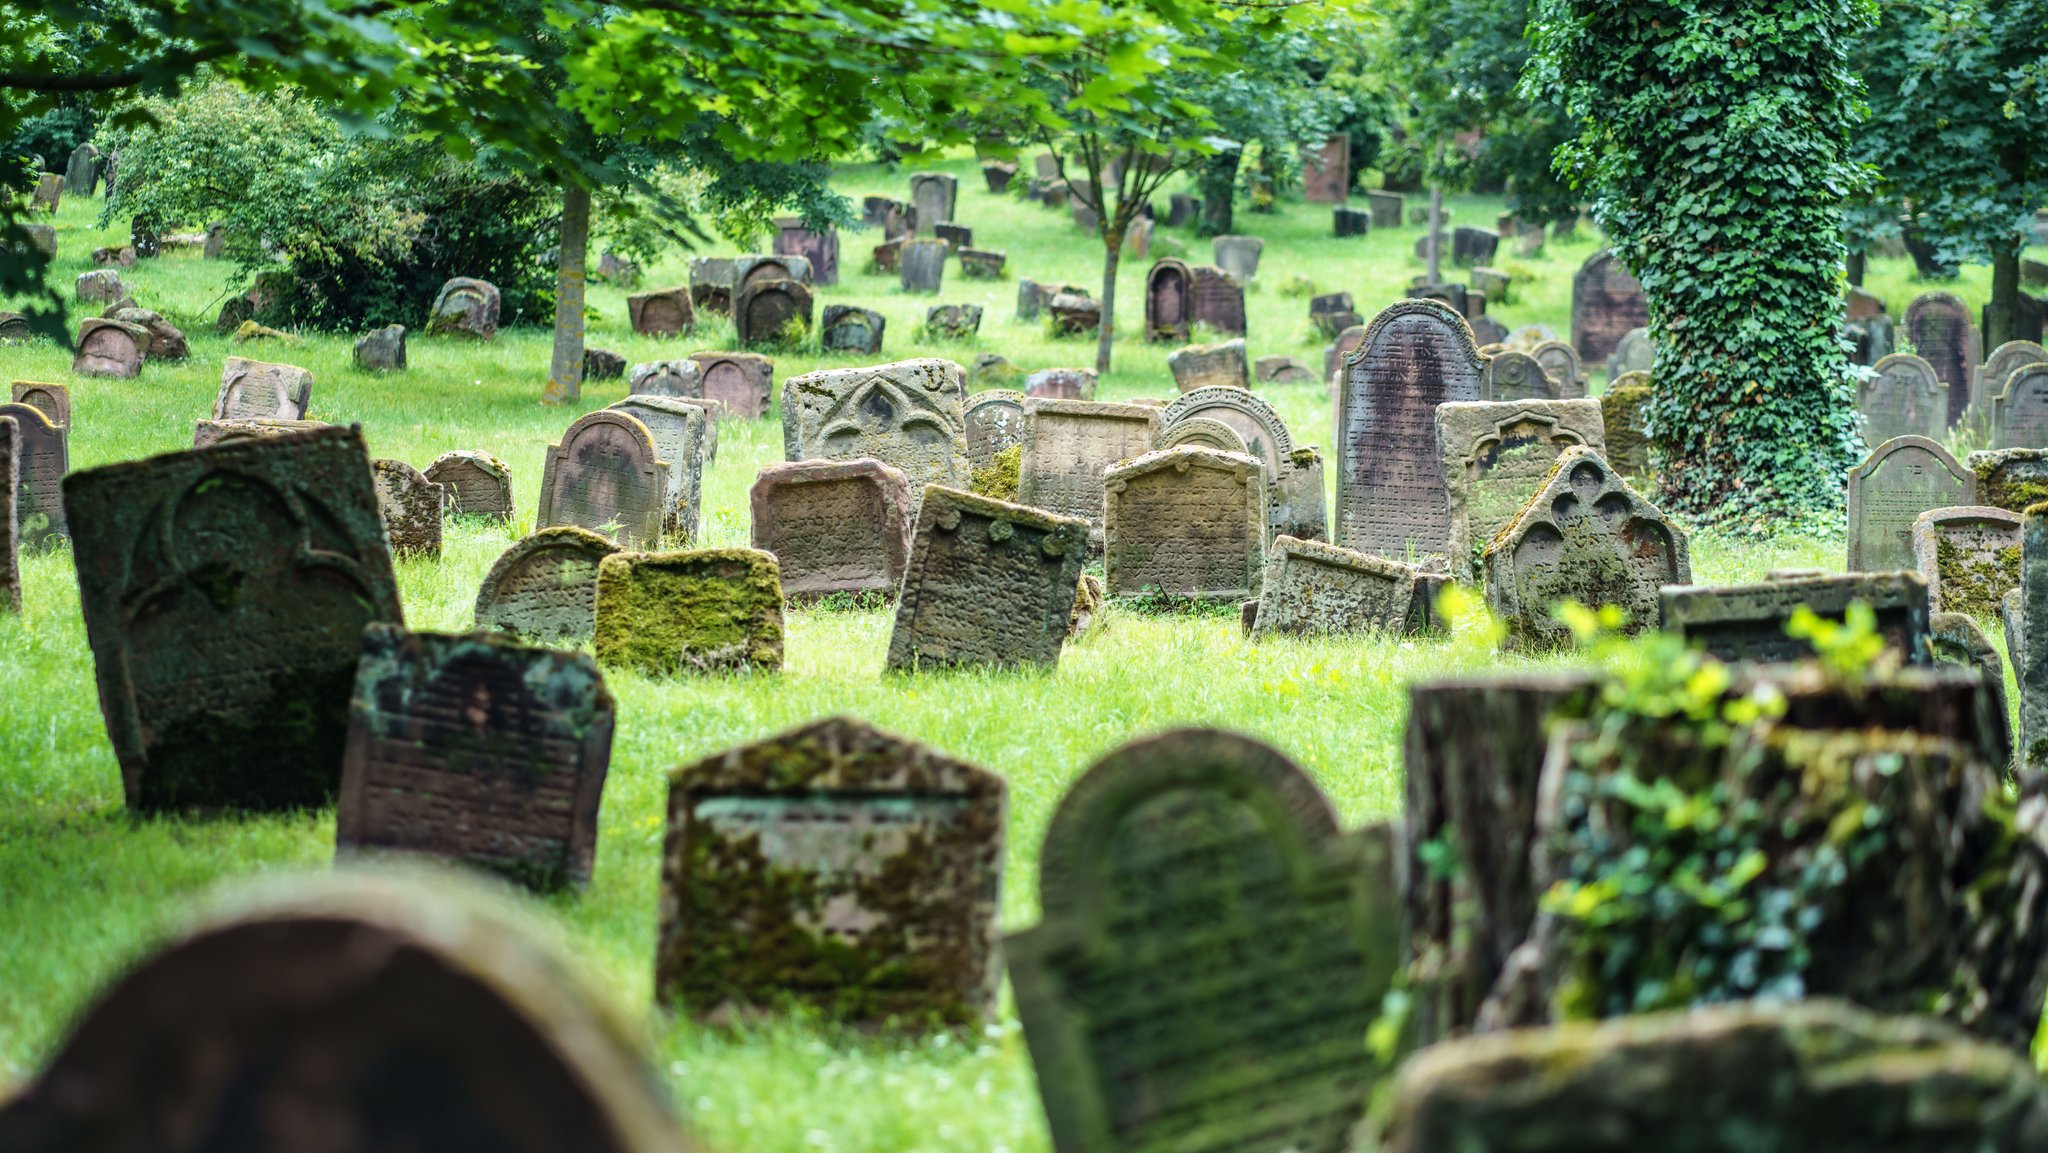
x: 1905, y: 395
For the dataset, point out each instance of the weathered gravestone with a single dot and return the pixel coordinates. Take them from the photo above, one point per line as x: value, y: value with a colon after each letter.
x: 819, y: 248
x: 10, y: 533
x: 603, y: 364
x: 664, y: 313
x: 1217, y: 855
x: 921, y: 264
x: 1998, y: 367
x: 846, y: 328
x: 959, y: 236
x: 1317, y: 589
x: 225, y: 592
x: 1238, y: 255
x: 835, y: 867
x: 1326, y: 173
x: 998, y: 174
x: 100, y: 286
x: 1210, y: 365
x: 545, y: 587
x: 952, y: 322
x: 704, y: 610
x: 1074, y: 314
x: 1957, y: 639
x: 758, y: 269
x: 1512, y: 375
x: 891, y: 216
x: 742, y: 381
x: 1282, y: 370
x: 166, y: 342
x: 1338, y: 349
x: 207, y: 433
x: 14, y: 327
x: 989, y: 583
x: 1560, y: 362
x: 1606, y: 303
x: 1585, y: 536
x: 110, y: 348
x: 1033, y: 298
x: 1061, y: 383
x: 52, y: 400
x: 995, y: 422
x: 1391, y: 500
x: 1904, y: 398
x: 465, y: 307
x: 40, y: 463
x: 82, y: 175
x: 476, y: 483
x: 49, y: 192
x: 1169, y: 293
x: 1969, y: 555
x: 1217, y: 300
x: 604, y: 475
x: 1497, y: 284
x: 1294, y: 475
x: 681, y: 430
x: 2019, y: 413
x: 1634, y: 352
x: 932, y: 197
x: 1068, y: 444
x: 1202, y: 432
x: 834, y: 526
x: 1495, y: 455
x: 257, y: 390
x: 1747, y: 622
x: 479, y: 749
x: 2026, y: 624
x: 1185, y: 522
x: 909, y: 414
x: 711, y: 284
x: 888, y: 255
x: 771, y: 311
x: 1332, y: 313
x: 1389, y: 209
x: 1901, y: 479
x: 1939, y: 326
x: 1473, y: 246
x: 1346, y: 222
x: 410, y: 506
x: 382, y: 350
x: 2013, y: 479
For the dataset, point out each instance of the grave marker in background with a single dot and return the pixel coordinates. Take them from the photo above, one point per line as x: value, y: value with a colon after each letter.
x: 1068, y: 444
x: 706, y: 610
x: 909, y: 414
x: 42, y: 458
x: 545, y: 586
x: 477, y: 484
x: 256, y: 390
x: 604, y: 476
x: 1905, y: 398
x: 1901, y: 479
x: 1939, y: 326
x: 1969, y: 556
x: 1607, y: 301
x: 1185, y: 522
x: 834, y: 526
x: 989, y: 583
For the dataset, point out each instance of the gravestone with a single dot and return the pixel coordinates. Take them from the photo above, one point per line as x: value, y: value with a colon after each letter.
x: 1332, y: 313
x: 1904, y: 398
x: 545, y: 587
x: 982, y: 263
x: 100, y: 286
x: 478, y: 749
x: 1169, y: 300
x: 465, y: 307
x: 1263, y: 433
x: 1061, y: 383
x: 834, y: 526
x: 1391, y: 500
x: 1202, y: 432
x: 382, y: 350
x: 958, y: 236
x: 1587, y: 537
x: 820, y: 249
x: 142, y: 236
x: 1182, y: 210
x: 41, y: 238
x: 743, y: 382
x: 1217, y: 300
x: 758, y: 269
x: 1138, y: 239
x: 1238, y: 255
x: 1473, y: 246
x: 989, y: 583
x: 1074, y: 314
x: 2029, y: 653
x: 1326, y: 173
x: 847, y: 328
x: 888, y: 255
x: 1621, y: 413
x: 258, y: 563
x: 771, y: 311
x: 670, y: 378
x: 1214, y: 851
x: 1185, y: 522
x: 49, y: 192
x: 1495, y: 455
x: 603, y: 364
x: 604, y: 476
x: 705, y: 610
x: 2004, y: 360
x: 1333, y: 356
x: 410, y: 506
x: 1316, y: 589
x: 664, y: 313
x: 41, y: 460
x: 1512, y: 375
x: 1389, y: 209
x: 1634, y: 352
x: 82, y: 175
x: 995, y: 422
x: 211, y: 432
x: 711, y: 284
x: 110, y: 348
x: 998, y: 174
x: 1495, y: 283
x: 837, y: 867
x: 10, y: 533
x: 1068, y: 444
x: 476, y: 483
x: 52, y: 400
x: 932, y: 197
x: 1957, y: 639
x: 1282, y: 370
x: 1350, y: 222
x: 1939, y: 326
x: 166, y: 342
x: 1969, y: 555
x: 2019, y: 414
x: 14, y: 327
x: 1607, y: 301
x: 617, y: 270
x: 1747, y: 622
x: 256, y: 390
x: 1034, y: 298
x: 891, y: 216
x: 1560, y: 362
x: 909, y: 414
x: 1210, y: 365
x: 922, y: 264
x: 1898, y: 481
x: 682, y: 432
x: 952, y: 321
x: 1081, y: 202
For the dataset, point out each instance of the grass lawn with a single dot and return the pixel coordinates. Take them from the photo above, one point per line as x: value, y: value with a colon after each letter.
x: 85, y: 887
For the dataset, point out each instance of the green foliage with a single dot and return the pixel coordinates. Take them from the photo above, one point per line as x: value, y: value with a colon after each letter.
x: 1715, y: 139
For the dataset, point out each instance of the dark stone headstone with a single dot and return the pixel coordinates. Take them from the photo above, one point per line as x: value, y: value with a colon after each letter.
x: 922, y: 264
x: 1351, y: 222
x: 958, y: 235
x: 42, y: 459
x: 998, y: 173
x: 1939, y: 326
x: 952, y: 321
x: 982, y: 264
x: 82, y: 175
x: 1182, y: 210
x: 604, y: 476
x: 603, y: 364
x: 410, y: 506
x: 1217, y: 301
x: 1473, y: 246
x: 1169, y: 301
x: 932, y: 198
x: 771, y: 311
x: 847, y: 328
x: 1606, y: 303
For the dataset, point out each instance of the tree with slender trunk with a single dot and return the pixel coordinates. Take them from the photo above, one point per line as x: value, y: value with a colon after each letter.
x: 565, y: 369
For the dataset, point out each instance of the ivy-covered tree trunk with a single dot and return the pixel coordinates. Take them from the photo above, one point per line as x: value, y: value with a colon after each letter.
x: 565, y: 371
x: 1715, y: 138
x: 1217, y: 181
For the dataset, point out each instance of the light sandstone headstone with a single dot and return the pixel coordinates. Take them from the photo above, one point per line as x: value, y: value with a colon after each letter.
x: 1586, y: 536
x: 478, y: 749
x: 1296, y: 505
x: 211, y: 432
x: 1202, y: 432
x: 667, y: 312
x: 258, y: 390
x: 14, y: 327
x: 1061, y: 383
x: 1904, y: 398
x: 837, y: 867
x: 921, y: 264
x: 52, y: 400
x: 1634, y: 352
x: 1317, y: 589
x: 1294, y: 474
x: 1069, y: 444
x: 1217, y: 301
x: 995, y: 422
x: 41, y: 460
x: 110, y: 348
x: 989, y: 583
x: 1938, y: 325
x: 465, y: 307
x: 711, y: 284
x: 1747, y: 622
x: 1186, y: 523
x: 545, y: 587
x: 2019, y: 415
x: 1512, y: 375
x: 49, y: 192
x: 1901, y: 479
x: 1606, y: 303
x: 834, y: 526
x: 818, y: 247
x: 909, y: 414
x: 742, y: 381
x: 1206, y: 365
x: 605, y: 476
x: 382, y: 350
x: 225, y: 592
x: 771, y: 311
x: 1561, y: 363
x: 411, y: 507
x: 2013, y: 479
x: 1238, y: 255
x: 476, y: 483
x: 100, y: 286
x: 705, y: 610
x: 681, y: 430
x: 1969, y: 555
x: 10, y: 533
x: 932, y: 197
x: 1169, y: 300
x: 1495, y: 455
x: 846, y: 328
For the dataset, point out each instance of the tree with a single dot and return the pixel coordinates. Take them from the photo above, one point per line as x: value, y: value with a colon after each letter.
x: 1275, y: 98
x: 1715, y: 135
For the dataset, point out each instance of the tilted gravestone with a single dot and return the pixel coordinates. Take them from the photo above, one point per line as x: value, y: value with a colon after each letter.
x: 1214, y: 851
x: 1326, y: 173
x: 1904, y: 398
x: 1634, y: 352
x: 1317, y: 589
x: 1217, y: 300
x: 1473, y: 246
x: 995, y: 422
x: 1969, y: 555
x: 14, y: 327
x: 1495, y: 455
x: 465, y: 307
x: 1391, y: 500
x: 846, y: 328
x: 1210, y: 365
x: 892, y: 217
x: 10, y: 532
x: 771, y: 311
x: 476, y: 483
x: 545, y: 586
x: 819, y: 248
x: 909, y: 414
x: 743, y: 381
x: 1998, y: 367
x: 1185, y: 522
x: 41, y: 460
x: 1939, y: 326
x: 1332, y: 313
x: 49, y: 192
x: 1061, y: 383
x: 2019, y: 414
x: 682, y: 432
x: 834, y: 526
x: 82, y: 175
x: 838, y: 868
x: 1585, y: 536
x: 1238, y: 255
x: 921, y: 264
x: 932, y: 197
x: 1512, y: 375
x: 989, y: 583
x: 1901, y: 479
x: 705, y: 610
x: 604, y: 475
x: 113, y: 348
x: 998, y: 174
x: 1606, y: 303
x: 225, y: 592
x: 166, y: 341
x: 479, y: 749
x: 1169, y: 300
x: 410, y: 506
x: 256, y: 390
x: 100, y: 286
x: 1747, y: 622
x: 664, y: 313
x: 2014, y: 479
x: 1560, y: 362
x: 1068, y: 444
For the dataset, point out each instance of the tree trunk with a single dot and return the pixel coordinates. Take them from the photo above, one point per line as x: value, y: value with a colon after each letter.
x: 2002, y: 315
x: 565, y: 372
x: 1436, y: 233
x: 1113, y: 253
x: 1218, y: 184
x: 1855, y: 265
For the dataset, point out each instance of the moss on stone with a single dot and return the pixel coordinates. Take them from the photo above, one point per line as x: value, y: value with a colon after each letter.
x: 663, y: 613
x: 1973, y: 584
x: 999, y: 479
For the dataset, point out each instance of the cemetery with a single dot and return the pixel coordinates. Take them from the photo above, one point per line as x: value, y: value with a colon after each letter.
x: 1285, y: 612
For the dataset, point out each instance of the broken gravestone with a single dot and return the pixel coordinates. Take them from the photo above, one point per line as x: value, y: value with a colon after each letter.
x: 256, y: 390
x: 700, y: 611
x: 1068, y: 444
x: 846, y: 328
x: 988, y: 583
x: 995, y: 422
x: 1317, y: 589
x: 604, y: 476
x: 41, y: 461
x: 834, y: 526
x: 910, y: 415
x: 1903, y: 478
x: 1969, y: 556
x: 1495, y: 455
x: 545, y: 587
x: 1904, y: 398
x: 476, y: 483
x: 410, y: 506
x: 1747, y: 622
x: 1185, y: 523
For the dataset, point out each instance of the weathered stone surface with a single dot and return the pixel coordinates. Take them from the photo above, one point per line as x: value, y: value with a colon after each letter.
x: 1495, y: 455
x: 989, y: 583
x: 82, y: 175
x: 1338, y: 349
x: 1606, y: 303
x: 166, y: 341
x: 49, y: 192
x: 14, y: 327
x: 1969, y: 555
x: 700, y: 611
x: 1585, y: 536
x: 743, y: 381
x: 1169, y: 293
x: 211, y: 432
x: 1495, y: 283
x: 1187, y: 523
x: 932, y: 197
x: 1069, y: 444
x: 771, y: 311
x: 846, y: 328
x: 410, y: 506
x: 1217, y: 301
x: 604, y: 475
x: 473, y: 483
x: 1389, y: 209
x: 998, y: 173
x: 995, y: 423
x: 41, y: 459
x: 1938, y: 325
x: 384, y: 350
x: 259, y: 390
x: 834, y: 526
x: 52, y: 400
x: 1033, y: 298
x: 1903, y: 478
x: 1473, y: 246
x: 1282, y: 370
x: 41, y: 237
x: 818, y: 248
x: 1904, y: 399
x: 603, y: 364
x: 909, y: 414
x: 983, y: 263
x: 1074, y: 315
x: 1218, y: 852
x: 1512, y: 375
x: 2013, y: 479
x: 1202, y: 432
x: 1634, y: 352
x: 465, y: 307
x: 1350, y: 222
x: 1391, y: 500
x: 110, y: 348
x: 1257, y: 424
x: 682, y: 435
x: 1206, y: 365
x: 1319, y: 589
x: 1326, y: 172
x: 1747, y: 622
x: 1061, y: 383
x: 668, y: 312
x: 921, y: 264
x: 952, y: 321
x: 545, y: 587
x: 2019, y: 414
x: 477, y: 749
x: 838, y: 868
x: 10, y: 533
x: 1998, y: 367
x: 1238, y: 255
x: 2026, y: 623
x: 1561, y: 363
x: 711, y: 284
x: 260, y: 562
x: 616, y: 270
x: 1957, y: 639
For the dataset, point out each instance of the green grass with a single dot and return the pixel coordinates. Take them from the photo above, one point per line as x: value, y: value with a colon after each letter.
x: 85, y: 888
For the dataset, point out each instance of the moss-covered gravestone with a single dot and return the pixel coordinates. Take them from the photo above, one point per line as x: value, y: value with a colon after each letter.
x: 1319, y: 589
x: 350, y: 1014
x: 52, y: 400
x: 1495, y: 454
x: 225, y: 592
x: 1969, y: 556
x: 1185, y: 523
x: 995, y: 421
x: 1957, y: 639
x: 1747, y: 622
x: 1213, y: 952
x: 2014, y: 479
x: 837, y: 867
x: 697, y: 611
x: 989, y: 583
x: 479, y: 749
x: 208, y: 433
x: 545, y: 587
